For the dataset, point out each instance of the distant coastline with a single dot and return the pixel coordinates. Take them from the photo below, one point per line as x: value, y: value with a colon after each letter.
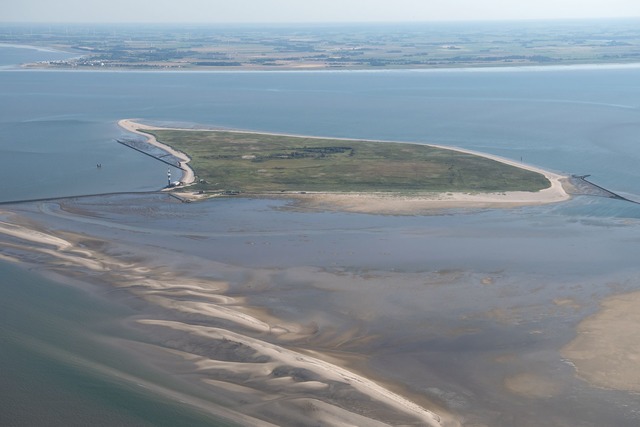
x: 49, y: 66
x: 407, y: 46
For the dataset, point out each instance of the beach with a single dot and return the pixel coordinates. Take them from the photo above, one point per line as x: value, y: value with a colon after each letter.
x: 389, y: 204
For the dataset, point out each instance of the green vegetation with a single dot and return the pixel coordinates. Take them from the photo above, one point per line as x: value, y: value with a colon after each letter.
x: 258, y: 163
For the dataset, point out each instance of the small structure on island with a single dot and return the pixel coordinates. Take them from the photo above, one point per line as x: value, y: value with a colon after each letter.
x: 174, y: 183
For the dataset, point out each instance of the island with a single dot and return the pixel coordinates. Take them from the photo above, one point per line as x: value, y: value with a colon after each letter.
x: 347, y: 174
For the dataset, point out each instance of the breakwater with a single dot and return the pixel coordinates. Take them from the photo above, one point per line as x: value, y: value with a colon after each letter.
x: 585, y: 187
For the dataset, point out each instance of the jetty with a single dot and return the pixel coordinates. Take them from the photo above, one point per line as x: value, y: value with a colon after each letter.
x: 588, y: 188
x: 165, y: 157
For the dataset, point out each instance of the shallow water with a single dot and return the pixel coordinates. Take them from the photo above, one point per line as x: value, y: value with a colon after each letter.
x: 452, y: 305
x: 59, y: 367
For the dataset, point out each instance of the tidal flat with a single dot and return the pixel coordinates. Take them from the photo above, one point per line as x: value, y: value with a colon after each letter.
x: 260, y: 313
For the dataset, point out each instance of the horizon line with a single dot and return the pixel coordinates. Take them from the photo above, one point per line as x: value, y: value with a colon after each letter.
x: 333, y: 23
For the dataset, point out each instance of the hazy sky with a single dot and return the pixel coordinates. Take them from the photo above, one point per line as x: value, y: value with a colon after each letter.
x: 232, y: 11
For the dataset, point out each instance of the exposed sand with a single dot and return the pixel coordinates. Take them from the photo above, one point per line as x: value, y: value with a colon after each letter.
x: 327, y: 373
x: 246, y: 361
x: 390, y: 204
x: 385, y: 203
x: 606, y: 352
x: 188, y: 175
x: 33, y: 236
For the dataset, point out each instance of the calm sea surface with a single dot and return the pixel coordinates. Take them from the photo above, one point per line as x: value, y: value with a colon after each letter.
x: 56, y: 125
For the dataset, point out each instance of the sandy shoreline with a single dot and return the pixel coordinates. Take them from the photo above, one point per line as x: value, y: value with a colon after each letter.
x: 387, y: 203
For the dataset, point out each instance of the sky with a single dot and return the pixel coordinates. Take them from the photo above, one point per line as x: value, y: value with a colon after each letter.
x: 302, y: 11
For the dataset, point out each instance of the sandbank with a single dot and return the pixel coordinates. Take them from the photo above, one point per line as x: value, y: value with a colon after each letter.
x: 606, y: 351
x: 390, y: 203
x: 327, y: 373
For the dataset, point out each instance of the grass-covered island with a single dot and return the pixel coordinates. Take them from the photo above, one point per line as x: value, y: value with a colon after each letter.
x: 249, y: 163
x: 255, y: 163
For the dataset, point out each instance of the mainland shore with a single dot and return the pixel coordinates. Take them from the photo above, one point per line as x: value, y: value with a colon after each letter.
x: 386, y: 203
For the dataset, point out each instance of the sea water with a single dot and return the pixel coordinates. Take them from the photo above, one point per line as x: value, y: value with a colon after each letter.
x: 56, y: 125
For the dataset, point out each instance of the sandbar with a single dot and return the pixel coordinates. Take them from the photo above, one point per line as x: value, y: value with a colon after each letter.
x: 606, y: 350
